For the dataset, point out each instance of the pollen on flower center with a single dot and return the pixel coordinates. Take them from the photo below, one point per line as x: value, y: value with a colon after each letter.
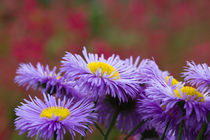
x: 95, y: 66
x: 190, y: 91
x: 57, y: 111
x: 52, y: 75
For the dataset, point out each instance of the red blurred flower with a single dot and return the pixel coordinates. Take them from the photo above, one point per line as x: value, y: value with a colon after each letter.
x: 29, y: 5
x: 101, y: 47
x: 28, y: 49
x: 77, y: 23
x: 156, y: 44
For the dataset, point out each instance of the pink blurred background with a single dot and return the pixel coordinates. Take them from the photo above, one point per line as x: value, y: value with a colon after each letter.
x: 171, y: 31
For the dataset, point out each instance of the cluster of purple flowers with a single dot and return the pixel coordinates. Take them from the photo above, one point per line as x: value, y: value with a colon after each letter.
x: 135, y: 96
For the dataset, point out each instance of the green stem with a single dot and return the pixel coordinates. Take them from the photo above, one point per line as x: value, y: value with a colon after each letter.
x: 200, y: 135
x: 180, y: 130
x: 164, y: 134
x: 181, y: 125
x: 134, y: 130
x: 55, y: 136
x: 37, y: 136
x: 99, y: 129
x: 111, y: 124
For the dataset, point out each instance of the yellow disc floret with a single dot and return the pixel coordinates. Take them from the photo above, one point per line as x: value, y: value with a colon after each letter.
x: 52, y: 75
x: 189, y: 91
x: 95, y: 66
x: 57, y: 111
x: 174, y: 81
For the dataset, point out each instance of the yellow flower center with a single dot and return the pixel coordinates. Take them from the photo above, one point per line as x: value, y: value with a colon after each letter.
x: 57, y: 111
x: 95, y: 66
x: 51, y: 75
x: 189, y: 91
x: 174, y: 81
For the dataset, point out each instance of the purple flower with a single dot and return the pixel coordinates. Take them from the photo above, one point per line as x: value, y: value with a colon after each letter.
x: 46, y: 80
x: 100, y: 76
x: 46, y: 118
x: 139, y: 65
x: 128, y: 117
x: 198, y: 75
x: 150, y: 70
x: 157, y: 117
x: 174, y: 96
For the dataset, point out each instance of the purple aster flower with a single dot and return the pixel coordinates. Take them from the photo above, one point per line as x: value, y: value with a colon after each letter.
x: 128, y: 117
x: 100, y: 76
x: 140, y: 66
x: 150, y: 70
x: 46, y: 118
x: 137, y: 63
x: 46, y: 80
x: 198, y: 75
x: 157, y: 117
x: 173, y: 96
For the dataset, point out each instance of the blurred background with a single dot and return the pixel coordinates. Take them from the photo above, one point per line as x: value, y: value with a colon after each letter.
x: 171, y: 31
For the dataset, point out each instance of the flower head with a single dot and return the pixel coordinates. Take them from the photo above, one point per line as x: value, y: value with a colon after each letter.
x: 156, y: 115
x: 51, y: 116
x: 100, y: 76
x: 150, y: 70
x: 198, y: 75
x: 175, y: 97
x: 46, y: 80
x: 128, y: 117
